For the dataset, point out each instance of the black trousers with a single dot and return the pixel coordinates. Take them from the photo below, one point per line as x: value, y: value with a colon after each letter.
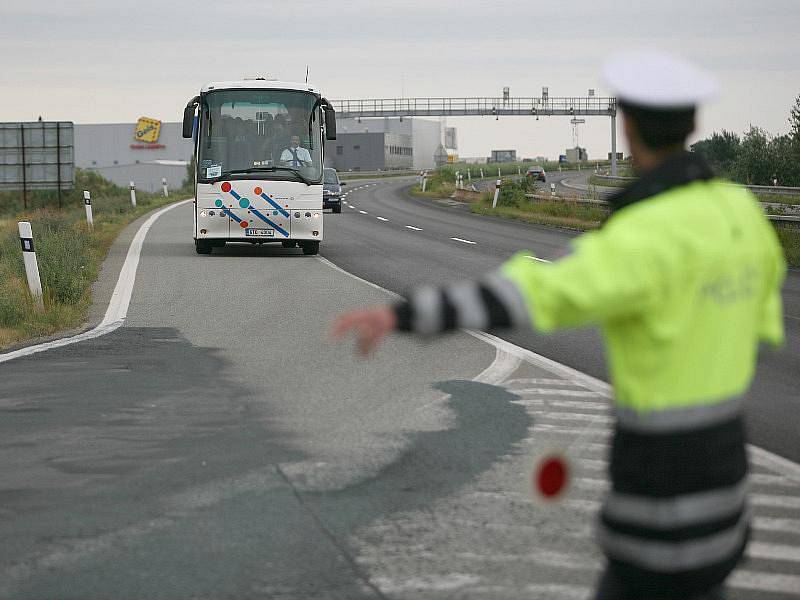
x: 611, y: 587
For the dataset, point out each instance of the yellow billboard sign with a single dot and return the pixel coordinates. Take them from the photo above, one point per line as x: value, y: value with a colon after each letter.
x: 147, y: 130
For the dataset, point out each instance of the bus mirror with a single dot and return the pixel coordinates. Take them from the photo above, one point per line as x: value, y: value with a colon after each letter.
x: 188, y: 120
x: 330, y: 123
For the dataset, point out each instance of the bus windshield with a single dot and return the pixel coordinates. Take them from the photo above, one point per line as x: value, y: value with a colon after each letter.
x: 275, y: 134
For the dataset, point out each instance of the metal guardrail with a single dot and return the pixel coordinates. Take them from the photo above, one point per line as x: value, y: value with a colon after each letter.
x: 784, y: 221
x: 476, y: 106
x: 368, y: 174
x: 779, y: 190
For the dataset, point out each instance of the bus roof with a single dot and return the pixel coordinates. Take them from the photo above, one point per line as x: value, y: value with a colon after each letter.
x: 258, y: 84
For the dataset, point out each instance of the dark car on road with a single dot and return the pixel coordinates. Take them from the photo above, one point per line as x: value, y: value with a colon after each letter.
x: 332, y: 190
x: 536, y: 173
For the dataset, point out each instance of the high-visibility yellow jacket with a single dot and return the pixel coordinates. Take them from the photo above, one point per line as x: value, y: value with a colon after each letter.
x: 683, y: 285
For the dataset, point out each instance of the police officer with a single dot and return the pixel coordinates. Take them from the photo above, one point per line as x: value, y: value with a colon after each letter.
x: 684, y: 280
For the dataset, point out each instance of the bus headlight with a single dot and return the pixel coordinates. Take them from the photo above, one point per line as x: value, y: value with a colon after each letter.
x: 316, y: 215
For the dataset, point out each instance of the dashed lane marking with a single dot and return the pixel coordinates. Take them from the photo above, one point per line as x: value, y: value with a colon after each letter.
x: 463, y: 241
x: 363, y: 212
x: 536, y: 258
x: 382, y: 218
x: 414, y: 228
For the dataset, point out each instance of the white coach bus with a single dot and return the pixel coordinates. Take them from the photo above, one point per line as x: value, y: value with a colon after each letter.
x: 258, y: 148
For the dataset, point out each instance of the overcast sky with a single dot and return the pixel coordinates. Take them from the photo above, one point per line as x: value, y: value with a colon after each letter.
x: 103, y: 61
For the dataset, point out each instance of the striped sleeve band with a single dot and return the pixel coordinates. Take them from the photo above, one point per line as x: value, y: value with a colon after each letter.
x: 486, y: 304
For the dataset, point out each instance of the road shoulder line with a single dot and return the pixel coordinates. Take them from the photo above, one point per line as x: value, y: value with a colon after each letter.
x: 120, y: 298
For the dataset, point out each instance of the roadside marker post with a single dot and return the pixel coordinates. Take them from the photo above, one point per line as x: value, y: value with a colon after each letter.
x: 87, y: 200
x: 133, y: 195
x: 31, y: 264
x: 164, y: 185
x: 498, y: 172
x: 469, y: 176
x: 519, y: 171
x: 424, y: 180
x: 481, y: 173
x: 496, y: 192
x: 552, y: 189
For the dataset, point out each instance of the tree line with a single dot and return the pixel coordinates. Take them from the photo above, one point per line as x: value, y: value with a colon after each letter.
x: 757, y: 157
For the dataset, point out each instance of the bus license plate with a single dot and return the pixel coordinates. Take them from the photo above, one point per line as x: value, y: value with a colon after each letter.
x: 260, y: 232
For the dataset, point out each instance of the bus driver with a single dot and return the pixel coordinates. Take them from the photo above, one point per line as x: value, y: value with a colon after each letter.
x: 295, y: 155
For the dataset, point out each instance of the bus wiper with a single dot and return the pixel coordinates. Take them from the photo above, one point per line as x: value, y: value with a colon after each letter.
x: 295, y: 172
x: 227, y: 174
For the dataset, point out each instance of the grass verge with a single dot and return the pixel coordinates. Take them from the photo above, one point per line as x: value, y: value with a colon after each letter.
x: 790, y: 240
x: 68, y: 252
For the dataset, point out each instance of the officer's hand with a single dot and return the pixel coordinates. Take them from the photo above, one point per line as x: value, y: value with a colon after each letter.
x: 371, y: 326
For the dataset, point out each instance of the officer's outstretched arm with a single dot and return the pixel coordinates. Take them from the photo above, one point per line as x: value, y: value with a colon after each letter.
x: 492, y: 302
x: 609, y: 274
x: 602, y: 278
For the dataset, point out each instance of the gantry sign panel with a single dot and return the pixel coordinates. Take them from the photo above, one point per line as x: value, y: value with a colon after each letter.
x: 447, y: 107
x: 39, y: 155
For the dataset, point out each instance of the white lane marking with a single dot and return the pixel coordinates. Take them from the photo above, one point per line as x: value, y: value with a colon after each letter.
x: 536, y: 381
x: 775, y: 500
x: 780, y: 524
x: 363, y: 212
x: 775, y: 463
x: 442, y: 583
x: 568, y: 404
x: 557, y: 392
x: 336, y: 267
x: 382, y: 218
x: 558, y: 591
x: 571, y: 416
x: 120, y: 299
x: 767, y: 582
x: 774, y: 551
x: 414, y: 228
x: 770, y: 480
x: 351, y: 206
x: 462, y: 240
x: 760, y: 456
x: 544, y: 260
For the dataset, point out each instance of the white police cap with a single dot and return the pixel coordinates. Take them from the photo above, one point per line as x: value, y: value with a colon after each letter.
x: 657, y: 80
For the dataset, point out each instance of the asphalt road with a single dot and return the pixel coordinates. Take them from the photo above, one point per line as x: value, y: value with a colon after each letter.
x: 398, y: 258
x: 218, y: 446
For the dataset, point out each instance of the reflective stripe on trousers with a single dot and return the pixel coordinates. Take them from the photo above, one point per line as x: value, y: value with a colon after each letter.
x: 675, y: 511
x: 679, y: 419
x: 671, y: 557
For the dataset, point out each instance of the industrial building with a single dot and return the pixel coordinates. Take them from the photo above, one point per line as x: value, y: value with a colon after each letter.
x: 144, y: 152
x: 384, y: 144
x: 577, y: 154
